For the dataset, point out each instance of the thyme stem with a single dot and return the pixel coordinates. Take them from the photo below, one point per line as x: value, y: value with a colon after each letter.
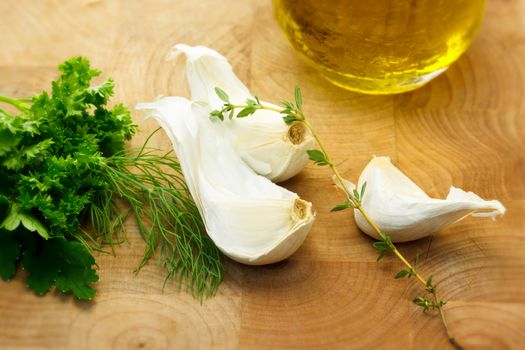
x: 432, y: 289
x: 293, y: 112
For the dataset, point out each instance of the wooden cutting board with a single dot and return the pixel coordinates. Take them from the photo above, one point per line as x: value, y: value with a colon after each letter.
x: 466, y: 128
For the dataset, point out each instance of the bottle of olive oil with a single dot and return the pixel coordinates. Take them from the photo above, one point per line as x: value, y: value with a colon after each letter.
x: 380, y: 46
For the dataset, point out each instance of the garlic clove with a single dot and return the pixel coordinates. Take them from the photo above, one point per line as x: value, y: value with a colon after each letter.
x: 207, y: 69
x: 264, y: 141
x: 405, y: 212
x: 250, y: 219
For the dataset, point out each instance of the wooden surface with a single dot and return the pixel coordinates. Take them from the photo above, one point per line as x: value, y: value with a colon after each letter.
x: 466, y: 128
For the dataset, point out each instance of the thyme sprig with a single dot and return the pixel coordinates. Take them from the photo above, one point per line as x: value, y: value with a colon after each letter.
x: 292, y: 112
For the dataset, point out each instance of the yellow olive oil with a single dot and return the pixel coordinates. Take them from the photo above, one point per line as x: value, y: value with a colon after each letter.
x: 380, y: 46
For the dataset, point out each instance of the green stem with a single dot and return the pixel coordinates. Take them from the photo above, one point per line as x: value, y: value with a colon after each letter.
x: 451, y: 338
x: 433, y: 291
x: 358, y: 206
x: 409, y: 265
x: 19, y: 104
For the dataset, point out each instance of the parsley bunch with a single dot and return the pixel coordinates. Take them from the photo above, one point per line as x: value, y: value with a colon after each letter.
x: 65, y: 178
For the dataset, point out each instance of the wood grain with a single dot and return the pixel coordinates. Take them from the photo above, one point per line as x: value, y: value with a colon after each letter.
x: 466, y: 128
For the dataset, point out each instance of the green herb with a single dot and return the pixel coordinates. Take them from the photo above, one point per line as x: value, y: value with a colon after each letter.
x: 343, y: 206
x: 167, y: 218
x: 292, y: 112
x: 66, y: 180
x: 318, y: 157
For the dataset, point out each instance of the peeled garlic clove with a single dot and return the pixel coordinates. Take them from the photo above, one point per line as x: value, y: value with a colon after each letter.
x: 250, y: 219
x: 264, y: 141
x: 402, y: 210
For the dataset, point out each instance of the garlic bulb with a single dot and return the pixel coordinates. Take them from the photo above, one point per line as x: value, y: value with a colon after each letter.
x: 402, y: 210
x: 269, y: 146
x: 250, y: 219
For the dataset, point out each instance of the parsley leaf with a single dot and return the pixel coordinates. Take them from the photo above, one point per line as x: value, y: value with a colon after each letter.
x: 68, y: 264
x: 17, y: 217
x: 9, y: 253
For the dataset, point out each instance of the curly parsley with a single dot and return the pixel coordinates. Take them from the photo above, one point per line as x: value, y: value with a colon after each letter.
x: 64, y: 175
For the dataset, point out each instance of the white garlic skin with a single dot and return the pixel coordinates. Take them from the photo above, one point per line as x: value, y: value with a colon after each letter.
x: 405, y: 212
x: 249, y: 218
x: 263, y: 140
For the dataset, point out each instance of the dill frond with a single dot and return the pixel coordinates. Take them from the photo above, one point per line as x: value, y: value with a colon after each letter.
x: 151, y: 185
